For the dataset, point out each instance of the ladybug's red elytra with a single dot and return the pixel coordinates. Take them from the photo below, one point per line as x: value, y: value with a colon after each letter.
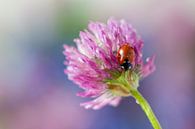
x: 126, y: 56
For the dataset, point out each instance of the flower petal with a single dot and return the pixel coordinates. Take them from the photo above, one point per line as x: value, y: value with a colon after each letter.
x: 101, y: 101
x: 149, y: 67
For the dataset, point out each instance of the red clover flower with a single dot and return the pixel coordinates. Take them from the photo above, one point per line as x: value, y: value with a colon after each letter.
x: 107, y: 64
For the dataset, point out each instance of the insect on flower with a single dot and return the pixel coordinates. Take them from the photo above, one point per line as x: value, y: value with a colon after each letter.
x: 126, y: 56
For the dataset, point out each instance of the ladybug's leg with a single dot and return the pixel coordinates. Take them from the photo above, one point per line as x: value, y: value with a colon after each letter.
x: 115, y: 52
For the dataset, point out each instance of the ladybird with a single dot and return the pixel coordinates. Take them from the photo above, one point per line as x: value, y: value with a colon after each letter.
x: 126, y: 56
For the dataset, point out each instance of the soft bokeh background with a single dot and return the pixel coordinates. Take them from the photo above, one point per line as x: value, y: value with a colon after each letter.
x: 35, y: 93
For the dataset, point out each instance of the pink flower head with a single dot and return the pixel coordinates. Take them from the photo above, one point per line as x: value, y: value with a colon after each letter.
x: 93, y: 65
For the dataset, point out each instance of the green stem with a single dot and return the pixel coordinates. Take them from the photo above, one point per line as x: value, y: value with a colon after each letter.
x: 146, y: 108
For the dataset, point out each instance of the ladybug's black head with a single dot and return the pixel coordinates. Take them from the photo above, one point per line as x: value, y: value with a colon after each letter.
x: 126, y: 65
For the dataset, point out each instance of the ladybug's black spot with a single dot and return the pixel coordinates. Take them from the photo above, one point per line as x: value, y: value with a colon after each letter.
x: 126, y: 65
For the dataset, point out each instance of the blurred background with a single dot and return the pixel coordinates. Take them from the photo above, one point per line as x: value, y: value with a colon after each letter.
x: 36, y: 94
